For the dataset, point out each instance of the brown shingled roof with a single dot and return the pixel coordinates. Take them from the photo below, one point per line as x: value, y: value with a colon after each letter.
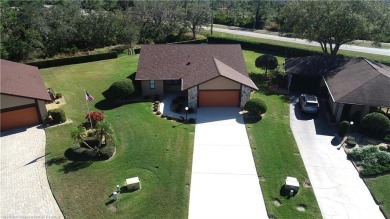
x: 313, y: 66
x: 360, y: 82
x: 22, y: 80
x: 194, y: 64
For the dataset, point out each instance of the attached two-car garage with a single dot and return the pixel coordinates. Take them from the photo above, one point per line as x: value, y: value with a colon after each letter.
x: 19, y: 118
x: 219, y: 92
x: 219, y: 98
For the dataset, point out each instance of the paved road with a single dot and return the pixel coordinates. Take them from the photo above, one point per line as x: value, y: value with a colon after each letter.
x: 224, y: 182
x: 25, y: 191
x: 378, y: 51
x: 339, y: 190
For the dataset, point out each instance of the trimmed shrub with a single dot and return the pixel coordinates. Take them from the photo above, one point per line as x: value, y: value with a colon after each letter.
x: 343, y: 128
x: 158, y: 113
x: 58, y: 95
x: 83, y: 153
x: 163, y: 116
x: 122, y: 89
x: 266, y: 62
x: 58, y: 115
x: 74, y: 60
x: 375, y: 123
x: 255, y: 106
x: 48, y: 120
x: 95, y: 117
x: 107, y: 151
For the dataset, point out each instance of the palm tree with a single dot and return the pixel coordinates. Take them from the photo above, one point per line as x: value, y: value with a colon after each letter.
x: 103, y: 130
x: 79, y: 134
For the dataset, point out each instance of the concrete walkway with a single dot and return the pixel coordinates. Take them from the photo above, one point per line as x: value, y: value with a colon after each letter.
x: 224, y: 182
x: 25, y: 191
x: 339, y: 190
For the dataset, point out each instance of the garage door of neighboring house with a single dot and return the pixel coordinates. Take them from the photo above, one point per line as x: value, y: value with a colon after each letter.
x: 220, y: 98
x: 19, y: 118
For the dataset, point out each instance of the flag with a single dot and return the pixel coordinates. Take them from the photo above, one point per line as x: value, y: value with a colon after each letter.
x: 88, y: 97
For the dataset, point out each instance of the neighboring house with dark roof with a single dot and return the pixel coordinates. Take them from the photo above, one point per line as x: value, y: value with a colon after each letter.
x: 354, y: 85
x: 211, y: 75
x: 23, y: 95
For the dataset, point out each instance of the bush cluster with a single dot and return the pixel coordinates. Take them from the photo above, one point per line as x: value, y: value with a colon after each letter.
x: 372, y: 160
x: 255, y: 106
x: 375, y: 123
x: 122, y: 89
x: 343, y: 128
x: 57, y: 115
x: 74, y: 60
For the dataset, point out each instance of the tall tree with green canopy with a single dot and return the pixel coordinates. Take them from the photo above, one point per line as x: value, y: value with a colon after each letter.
x: 197, y: 14
x: 334, y: 23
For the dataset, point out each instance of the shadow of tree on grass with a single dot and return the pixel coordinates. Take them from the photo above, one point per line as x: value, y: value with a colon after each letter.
x: 75, y: 166
x: 56, y: 161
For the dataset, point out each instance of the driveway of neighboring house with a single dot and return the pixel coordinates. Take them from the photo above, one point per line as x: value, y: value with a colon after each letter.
x: 339, y: 190
x: 224, y: 181
x: 25, y: 191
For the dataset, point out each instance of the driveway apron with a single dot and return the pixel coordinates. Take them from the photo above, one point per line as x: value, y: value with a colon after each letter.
x: 25, y: 191
x: 339, y: 190
x: 224, y: 181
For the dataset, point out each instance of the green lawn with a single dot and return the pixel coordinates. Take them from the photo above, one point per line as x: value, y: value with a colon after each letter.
x: 156, y: 150
x: 379, y: 187
x: 276, y: 153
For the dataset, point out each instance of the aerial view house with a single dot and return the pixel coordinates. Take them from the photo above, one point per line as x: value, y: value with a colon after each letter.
x: 23, y: 95
x: 353, y: 86
x: 210, y: 75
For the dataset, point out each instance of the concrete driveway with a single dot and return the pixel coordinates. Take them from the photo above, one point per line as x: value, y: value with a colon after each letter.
x: 25, y: 191
x: 339, y: 190
x: 224, y: 182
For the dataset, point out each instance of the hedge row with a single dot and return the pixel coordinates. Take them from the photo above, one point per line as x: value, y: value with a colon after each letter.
x: 263, y: 47
x: 197, y: 41
x: 74, y: 60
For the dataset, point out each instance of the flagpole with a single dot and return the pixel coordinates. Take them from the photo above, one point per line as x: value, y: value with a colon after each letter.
x: 86, y: 101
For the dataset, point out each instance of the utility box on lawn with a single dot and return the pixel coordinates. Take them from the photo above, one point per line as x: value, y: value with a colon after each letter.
x: 291, y: 185
x: 133, y: 184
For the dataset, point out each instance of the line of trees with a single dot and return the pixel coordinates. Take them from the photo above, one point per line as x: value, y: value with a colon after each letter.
x: 44, y: 28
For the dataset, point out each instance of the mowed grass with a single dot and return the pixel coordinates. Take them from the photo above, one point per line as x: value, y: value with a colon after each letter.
x: 379, y: 187
x: 275, y: 152
x: 156, y: 150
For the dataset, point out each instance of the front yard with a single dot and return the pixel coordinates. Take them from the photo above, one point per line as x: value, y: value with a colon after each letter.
x: 156, y: 150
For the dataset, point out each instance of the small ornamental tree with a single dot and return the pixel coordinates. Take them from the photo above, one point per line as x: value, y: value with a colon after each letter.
x: 255, y: 106
x: 266, y: 62
x: 95, y: 117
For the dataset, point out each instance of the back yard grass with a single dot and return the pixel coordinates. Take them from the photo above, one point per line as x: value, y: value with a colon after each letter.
x: 275, y: 152
x: 156, y: 150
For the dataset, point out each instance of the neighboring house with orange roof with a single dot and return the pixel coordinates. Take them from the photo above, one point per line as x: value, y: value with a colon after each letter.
x: 23, y: 95
x: 211, y: 75
x: 354, y: 86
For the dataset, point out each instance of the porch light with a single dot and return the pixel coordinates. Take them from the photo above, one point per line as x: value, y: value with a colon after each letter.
x: 186, y: 108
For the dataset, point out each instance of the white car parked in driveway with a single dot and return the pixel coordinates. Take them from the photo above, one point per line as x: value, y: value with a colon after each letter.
x: 309, y: 103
